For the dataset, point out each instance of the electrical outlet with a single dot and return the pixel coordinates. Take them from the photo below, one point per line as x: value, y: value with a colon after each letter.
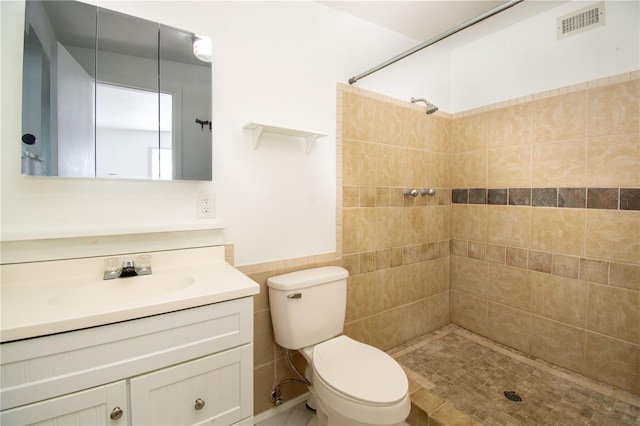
x: 206, y: 205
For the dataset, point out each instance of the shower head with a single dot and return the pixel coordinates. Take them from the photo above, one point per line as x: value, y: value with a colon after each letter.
x: 431, y: 108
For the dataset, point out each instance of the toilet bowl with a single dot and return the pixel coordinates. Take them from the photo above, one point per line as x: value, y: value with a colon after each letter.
x: 351, y: 383
x: 357, y: 384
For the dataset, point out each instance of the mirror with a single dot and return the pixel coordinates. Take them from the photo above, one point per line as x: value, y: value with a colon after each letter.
x: 112, y: 96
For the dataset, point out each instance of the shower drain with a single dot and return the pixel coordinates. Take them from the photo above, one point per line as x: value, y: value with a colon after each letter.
x: 512, y: 396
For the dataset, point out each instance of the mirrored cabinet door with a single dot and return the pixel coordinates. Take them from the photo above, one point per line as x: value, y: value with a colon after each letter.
x: 185, y: 115
x: 58, y: 89
x: 127, y: 96
x: 112, y: 96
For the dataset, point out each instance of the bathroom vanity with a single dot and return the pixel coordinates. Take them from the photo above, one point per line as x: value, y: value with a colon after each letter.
x: 172, y: 355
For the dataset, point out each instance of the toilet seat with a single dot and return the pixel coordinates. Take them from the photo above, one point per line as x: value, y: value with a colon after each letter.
x: 360, y: 372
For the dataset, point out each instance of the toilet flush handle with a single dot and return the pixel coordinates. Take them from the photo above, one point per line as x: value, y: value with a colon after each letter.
x: 294, y: 296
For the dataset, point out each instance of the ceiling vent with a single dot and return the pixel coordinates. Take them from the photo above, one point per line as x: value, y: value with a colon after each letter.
x: 582, y: 20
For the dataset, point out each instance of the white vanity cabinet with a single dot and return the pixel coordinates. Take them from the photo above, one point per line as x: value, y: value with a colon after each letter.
x: 101, y: 406
x: 191, y: 366
x: 204, y: 390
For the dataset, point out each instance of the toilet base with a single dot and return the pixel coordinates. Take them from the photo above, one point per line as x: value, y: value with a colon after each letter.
x: 311, y: 402
x: 313, y: 421
x: 332, y: 417
x: 324, y: 417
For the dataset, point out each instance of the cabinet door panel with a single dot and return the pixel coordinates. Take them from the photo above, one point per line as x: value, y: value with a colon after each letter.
x: 223, y: 382
x: 90, y: 407
x: 38, y: 369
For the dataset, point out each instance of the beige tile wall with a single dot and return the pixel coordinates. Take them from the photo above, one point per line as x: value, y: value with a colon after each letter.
x: 396, y: 248
x: 562, y: 284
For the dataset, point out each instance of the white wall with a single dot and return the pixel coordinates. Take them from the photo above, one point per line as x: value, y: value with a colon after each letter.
x: 273, y: 61
x: 279, y: 62
x: 426, y: 74
x: 527, y: 58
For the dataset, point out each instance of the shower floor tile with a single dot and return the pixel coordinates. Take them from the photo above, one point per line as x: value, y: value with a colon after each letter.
x: 473, y: 373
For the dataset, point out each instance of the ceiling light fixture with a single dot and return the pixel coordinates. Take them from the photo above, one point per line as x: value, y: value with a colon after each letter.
x: 202, y: 48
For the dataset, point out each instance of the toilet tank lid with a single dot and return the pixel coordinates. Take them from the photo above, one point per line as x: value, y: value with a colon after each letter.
x: 307, y: 278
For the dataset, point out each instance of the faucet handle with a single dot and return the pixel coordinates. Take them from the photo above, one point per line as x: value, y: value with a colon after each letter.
x: 410, y: 192
x: 112, y: 264
x: 143, y: 261
x: 112, y: 268
x: 143, y: 264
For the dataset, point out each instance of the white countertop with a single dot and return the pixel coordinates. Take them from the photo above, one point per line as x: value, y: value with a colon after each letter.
x: 33, y: 301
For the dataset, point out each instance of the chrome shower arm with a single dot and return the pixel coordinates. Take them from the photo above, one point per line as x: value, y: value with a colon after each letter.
x: 414, y: 100
x: 431, y: 108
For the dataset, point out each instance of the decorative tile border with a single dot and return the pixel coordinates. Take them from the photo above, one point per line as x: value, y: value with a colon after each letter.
x: 374, y: 260
x: 387, y: 196
x: 581, y: 268
x: 578, y: 198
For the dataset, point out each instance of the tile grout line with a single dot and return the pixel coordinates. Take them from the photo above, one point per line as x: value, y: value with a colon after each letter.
x: 571, y: 377
x: 602, y: 389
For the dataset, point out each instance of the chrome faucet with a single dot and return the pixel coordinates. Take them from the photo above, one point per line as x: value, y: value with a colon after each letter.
x: 128, y: 269
x: 113, y: 269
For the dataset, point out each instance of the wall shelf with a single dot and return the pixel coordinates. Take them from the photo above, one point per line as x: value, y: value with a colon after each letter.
x: 257, y: 129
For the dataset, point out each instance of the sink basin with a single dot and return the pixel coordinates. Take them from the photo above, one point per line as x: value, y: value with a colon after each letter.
x: 121, y: 290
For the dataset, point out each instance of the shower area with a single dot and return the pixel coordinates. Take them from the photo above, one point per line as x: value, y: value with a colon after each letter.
x: 511, y: 296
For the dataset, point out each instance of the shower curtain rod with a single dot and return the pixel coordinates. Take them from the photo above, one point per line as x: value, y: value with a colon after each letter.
x: 487, y: 14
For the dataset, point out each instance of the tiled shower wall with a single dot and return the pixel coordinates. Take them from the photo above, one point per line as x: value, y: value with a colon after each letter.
x: 396, y: 248
x: 545, y: 226
x: 530, y: 252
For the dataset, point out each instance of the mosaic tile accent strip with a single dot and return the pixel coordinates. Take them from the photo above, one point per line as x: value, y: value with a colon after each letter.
x: 497, y: 197
x: 477, y: 196
x: 544, y: 197
x: 519, y: 196
x: 602, y: 198
x: 369, y: 261
x: 585, y: 269
x: 591, y: 198
x: 460, y: 196
x: 471, y: 374
x: 575, y: 198
x: 629, y: 199
x: 387, y: 196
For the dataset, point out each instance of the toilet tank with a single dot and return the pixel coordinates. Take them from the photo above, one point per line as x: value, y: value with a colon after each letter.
x: 308, y: 306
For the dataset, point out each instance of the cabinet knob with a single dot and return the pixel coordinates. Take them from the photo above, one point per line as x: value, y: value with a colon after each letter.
x: 199, y: 404
x: 116, y: 413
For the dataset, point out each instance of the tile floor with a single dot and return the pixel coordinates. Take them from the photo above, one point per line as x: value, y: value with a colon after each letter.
x: 469, y: 375
x: 472, y: 373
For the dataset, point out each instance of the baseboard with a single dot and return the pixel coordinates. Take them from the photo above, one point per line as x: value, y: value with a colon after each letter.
x: 280, y: 408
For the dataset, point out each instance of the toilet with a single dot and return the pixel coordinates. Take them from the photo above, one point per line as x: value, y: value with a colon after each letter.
x: 351, y: 383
